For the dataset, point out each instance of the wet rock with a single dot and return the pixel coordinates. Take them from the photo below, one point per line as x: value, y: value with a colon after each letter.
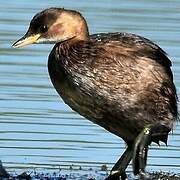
x: 3, y: 172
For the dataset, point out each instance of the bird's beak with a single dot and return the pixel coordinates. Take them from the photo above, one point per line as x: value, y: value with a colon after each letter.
x: 26, y: 40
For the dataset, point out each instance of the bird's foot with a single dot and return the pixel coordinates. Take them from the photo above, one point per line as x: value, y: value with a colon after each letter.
x: 144, y: 176
x: 118, y: 171
x: 154, y: 133
x: 117, y: 175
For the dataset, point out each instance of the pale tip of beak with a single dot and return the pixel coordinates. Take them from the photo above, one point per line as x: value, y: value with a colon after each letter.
x: 16, y: 45
x: 26, y: 40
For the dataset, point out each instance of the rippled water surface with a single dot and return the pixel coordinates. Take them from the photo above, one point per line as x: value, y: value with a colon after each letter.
x: 37, y: 130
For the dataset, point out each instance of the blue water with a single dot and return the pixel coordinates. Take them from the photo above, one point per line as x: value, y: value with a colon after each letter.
x: 37, y: 130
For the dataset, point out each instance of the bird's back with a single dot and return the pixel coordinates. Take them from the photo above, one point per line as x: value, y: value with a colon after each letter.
x: 120, y: 81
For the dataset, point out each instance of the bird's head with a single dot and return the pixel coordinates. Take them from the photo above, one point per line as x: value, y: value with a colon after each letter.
x: 54, y: 25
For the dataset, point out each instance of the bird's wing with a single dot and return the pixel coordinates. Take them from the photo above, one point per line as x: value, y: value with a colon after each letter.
x: 138, y: 45
x: 141, y: 61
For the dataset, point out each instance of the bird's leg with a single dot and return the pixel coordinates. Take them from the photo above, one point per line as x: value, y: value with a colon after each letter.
x: 118, y: 171
x: 151, y: 133
x: 140, y: 151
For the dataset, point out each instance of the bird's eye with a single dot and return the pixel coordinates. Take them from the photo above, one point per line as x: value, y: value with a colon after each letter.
x: 43, y: 29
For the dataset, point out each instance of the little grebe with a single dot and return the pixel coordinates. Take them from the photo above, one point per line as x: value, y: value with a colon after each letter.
x: 120, y: 81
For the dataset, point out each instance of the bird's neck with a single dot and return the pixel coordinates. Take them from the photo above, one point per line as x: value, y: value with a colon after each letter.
x: 82, y: 33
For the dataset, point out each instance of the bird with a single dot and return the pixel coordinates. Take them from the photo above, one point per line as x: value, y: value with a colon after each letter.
x: 119, y: 80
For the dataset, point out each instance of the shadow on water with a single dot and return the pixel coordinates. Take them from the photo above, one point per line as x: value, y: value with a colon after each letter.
x: 37, y: 129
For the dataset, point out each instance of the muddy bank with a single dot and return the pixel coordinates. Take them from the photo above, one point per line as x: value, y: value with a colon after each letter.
x: 78, y: 174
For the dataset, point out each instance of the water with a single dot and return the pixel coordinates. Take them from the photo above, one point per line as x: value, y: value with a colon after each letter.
x: 37, y: 130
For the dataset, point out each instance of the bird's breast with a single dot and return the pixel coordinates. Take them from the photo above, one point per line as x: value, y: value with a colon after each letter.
x: 74, y: 90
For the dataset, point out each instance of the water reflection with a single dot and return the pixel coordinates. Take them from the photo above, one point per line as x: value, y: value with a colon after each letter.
x: 37, y: 128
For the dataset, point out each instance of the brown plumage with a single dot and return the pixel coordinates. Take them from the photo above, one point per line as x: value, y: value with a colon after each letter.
x: 120, y: 81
